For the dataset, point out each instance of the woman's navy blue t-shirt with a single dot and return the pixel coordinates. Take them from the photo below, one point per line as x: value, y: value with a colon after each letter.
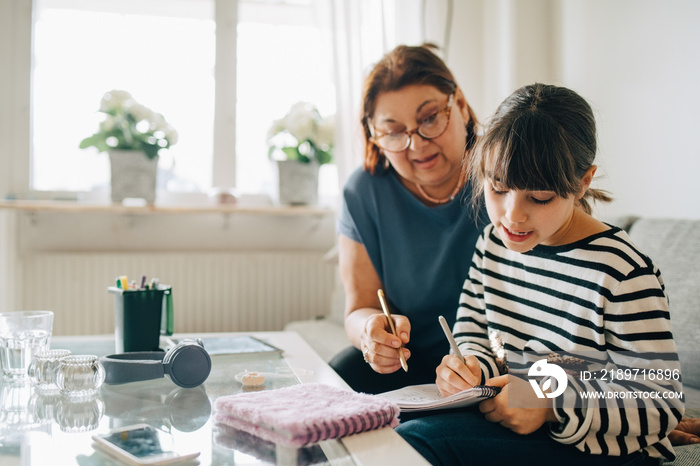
x: 422, y: 254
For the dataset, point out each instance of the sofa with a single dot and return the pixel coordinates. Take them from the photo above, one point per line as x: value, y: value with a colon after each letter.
x: 673, y: 244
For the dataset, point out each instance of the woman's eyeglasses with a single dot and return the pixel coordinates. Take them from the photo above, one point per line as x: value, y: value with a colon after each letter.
x: 430, y: 128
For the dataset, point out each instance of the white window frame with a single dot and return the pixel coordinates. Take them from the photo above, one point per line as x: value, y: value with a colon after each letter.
x: 15, y: 95
x: 15, y: 91
x: 224, y: 167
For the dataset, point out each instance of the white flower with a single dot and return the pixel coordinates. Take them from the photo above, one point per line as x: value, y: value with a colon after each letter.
x: 142, y: 127
x: 171, y: 134
x: 114, y: 100
x: 302, y: 125
x: 301, y: 121
x: 325, y: 132
x: 157, y: 122
x: 140, y: 112
x: 108, y: 124
x: 129, y: 125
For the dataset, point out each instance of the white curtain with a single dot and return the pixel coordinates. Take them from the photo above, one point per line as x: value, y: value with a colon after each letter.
x: 357, y: 28
x: 362, y: 31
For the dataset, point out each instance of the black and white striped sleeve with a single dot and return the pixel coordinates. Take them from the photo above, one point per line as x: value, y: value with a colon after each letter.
x: 471, y: 327
x: 637, y: 409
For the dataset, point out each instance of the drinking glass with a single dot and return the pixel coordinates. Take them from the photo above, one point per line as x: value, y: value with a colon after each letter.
x: 23, y: 334
x: 44, y: 368
x: 80, y: 375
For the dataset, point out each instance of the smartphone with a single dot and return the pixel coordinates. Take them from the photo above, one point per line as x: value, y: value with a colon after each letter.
x: 141, y: 444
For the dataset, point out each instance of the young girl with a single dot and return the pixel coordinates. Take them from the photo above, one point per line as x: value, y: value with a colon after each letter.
x: 549, y: 279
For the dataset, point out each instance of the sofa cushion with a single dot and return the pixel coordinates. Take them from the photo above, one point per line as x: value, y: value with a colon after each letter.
x: 686, y: 455
x: 674, y: 246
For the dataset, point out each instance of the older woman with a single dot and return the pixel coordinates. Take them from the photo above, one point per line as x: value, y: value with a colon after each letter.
x: 404, y: 227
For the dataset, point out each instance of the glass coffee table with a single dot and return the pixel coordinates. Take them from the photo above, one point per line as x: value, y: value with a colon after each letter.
x: 42, y: 429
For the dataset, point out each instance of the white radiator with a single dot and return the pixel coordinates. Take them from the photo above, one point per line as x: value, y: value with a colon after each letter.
x: 212, y: 291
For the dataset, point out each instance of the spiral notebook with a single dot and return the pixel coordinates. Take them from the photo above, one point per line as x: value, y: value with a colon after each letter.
x: 305, y: 414
x: 428, y: 397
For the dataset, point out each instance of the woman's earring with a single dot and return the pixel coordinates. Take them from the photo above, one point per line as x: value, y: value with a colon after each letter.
x: 386, y: 161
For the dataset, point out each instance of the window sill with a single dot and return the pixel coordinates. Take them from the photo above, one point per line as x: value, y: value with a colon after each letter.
x: 179, y: 209
x: 59, y: 226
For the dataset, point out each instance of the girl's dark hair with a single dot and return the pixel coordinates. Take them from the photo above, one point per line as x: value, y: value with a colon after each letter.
x: 405, y: 66
x: 542, y: 138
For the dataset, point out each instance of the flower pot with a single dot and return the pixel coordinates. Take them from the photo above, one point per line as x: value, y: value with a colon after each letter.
x: 297, y: 182
x: 133, y: 175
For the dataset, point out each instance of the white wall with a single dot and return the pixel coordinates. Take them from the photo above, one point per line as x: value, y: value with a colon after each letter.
x: 636, y: 61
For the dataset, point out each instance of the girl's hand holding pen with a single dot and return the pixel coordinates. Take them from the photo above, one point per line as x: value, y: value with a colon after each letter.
x: 379, y: 345
x: 453, y: 376
x: 456, y: 373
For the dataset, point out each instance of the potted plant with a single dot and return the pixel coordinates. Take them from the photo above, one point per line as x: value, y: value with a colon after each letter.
x: 300, y: 143
x: 133, y: 135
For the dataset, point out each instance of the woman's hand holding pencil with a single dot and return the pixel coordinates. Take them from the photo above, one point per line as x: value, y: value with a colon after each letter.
x: 383, y: 337
x: 390, y: 319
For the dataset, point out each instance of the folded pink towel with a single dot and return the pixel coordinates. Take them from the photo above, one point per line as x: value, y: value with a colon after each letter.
x: 307, y: 413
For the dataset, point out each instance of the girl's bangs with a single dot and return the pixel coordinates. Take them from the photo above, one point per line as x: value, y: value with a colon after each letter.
x: 527, y: 155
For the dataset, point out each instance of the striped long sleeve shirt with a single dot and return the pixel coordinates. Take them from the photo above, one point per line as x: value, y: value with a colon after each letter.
x: 598, y: 295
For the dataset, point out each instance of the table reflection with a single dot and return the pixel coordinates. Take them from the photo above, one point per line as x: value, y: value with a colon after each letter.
x: 230, y: 443
x: 183, y: 409
x: 41, y: 427
x: 18, y: 414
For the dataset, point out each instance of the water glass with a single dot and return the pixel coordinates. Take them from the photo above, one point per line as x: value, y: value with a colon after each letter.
x: 44, y: 368
x: 22, y: 334
x: 80, y: 375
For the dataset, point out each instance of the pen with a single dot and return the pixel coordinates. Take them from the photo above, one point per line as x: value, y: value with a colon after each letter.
x: 450, y: 338
x: 385, y: 308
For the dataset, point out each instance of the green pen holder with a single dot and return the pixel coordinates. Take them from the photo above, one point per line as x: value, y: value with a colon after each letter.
x: 141, y: 317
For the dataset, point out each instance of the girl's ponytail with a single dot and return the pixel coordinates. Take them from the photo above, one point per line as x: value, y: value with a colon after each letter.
x: 596, y: 195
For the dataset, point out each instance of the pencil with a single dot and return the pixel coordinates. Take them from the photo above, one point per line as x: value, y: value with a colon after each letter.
x: 450, y: 338
x: 387, y: 313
